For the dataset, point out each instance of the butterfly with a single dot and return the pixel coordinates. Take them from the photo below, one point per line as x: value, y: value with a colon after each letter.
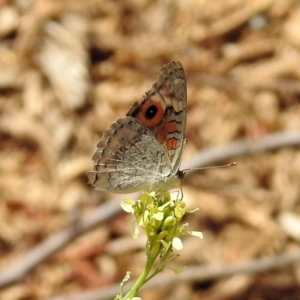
x: 142, y: 151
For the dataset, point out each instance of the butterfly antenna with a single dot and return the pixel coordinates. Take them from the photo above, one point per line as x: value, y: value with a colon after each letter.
x: 212, y: 167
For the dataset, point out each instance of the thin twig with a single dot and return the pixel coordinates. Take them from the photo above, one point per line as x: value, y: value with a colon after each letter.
x: 19, y: 269
x: 243, y: 148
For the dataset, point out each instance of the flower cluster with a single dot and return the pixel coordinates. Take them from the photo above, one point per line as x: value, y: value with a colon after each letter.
x: 160, y: 217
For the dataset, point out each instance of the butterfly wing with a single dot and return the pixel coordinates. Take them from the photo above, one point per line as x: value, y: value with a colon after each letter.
x: 143, y: 150
x: 163, y: 111
x: 128, y: 159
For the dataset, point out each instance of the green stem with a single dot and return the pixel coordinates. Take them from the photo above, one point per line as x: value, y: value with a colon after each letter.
x: 142, y: 279
x: 161, y: 264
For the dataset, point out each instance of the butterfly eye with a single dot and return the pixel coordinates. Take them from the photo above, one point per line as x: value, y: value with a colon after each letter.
x: 151, y: 112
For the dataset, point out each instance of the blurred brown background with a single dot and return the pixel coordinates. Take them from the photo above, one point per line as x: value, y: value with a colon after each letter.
x: 69, y: 68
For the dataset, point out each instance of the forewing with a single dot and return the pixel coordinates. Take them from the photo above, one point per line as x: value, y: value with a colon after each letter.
x: 163, y: 111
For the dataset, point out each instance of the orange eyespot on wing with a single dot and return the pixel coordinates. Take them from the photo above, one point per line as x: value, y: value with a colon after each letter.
x: 150, y: 113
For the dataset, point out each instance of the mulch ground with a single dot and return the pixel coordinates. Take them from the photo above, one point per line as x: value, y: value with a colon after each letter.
x: 70, y: 68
